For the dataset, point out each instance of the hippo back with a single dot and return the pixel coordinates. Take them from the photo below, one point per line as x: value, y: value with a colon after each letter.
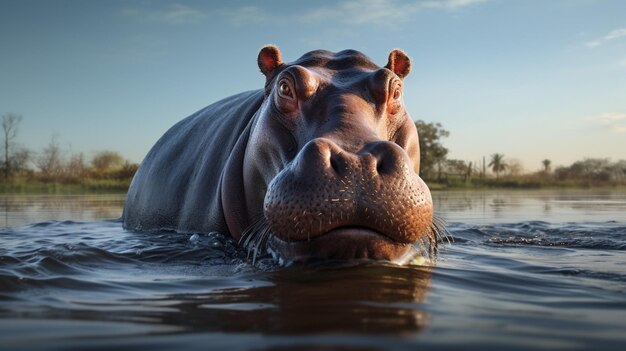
x: 177, y: 186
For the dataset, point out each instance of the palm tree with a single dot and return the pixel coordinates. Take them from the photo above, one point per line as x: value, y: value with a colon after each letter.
x: 497, y: 164
x: 546, y: 165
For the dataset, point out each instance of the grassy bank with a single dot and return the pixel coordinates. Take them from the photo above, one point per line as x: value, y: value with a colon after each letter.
x: 521, y: 183
x: 88, y: 186
x: 113, y: 186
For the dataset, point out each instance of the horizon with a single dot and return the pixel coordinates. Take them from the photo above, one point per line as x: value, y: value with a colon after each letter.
x: 529, y: 80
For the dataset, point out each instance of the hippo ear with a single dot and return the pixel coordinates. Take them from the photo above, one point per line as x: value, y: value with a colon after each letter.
x: 269, y: 59
x: 399, y: 63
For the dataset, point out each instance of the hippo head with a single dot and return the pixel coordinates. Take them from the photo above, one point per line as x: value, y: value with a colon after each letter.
x: 331, y: 167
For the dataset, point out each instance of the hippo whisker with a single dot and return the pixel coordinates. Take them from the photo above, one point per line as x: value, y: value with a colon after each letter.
x: 428, y: 246
x: 440, y: 231
x: 255, y: 238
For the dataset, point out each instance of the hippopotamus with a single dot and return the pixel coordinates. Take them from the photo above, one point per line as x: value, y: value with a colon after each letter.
x: 321, y: 163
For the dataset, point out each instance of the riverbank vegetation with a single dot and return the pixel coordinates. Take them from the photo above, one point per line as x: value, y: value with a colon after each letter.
x: 57, y: 171
x: 497, y: 171
x: 53, y: 170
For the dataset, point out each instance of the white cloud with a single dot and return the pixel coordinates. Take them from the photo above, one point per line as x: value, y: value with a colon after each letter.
x: 613, y: 121
x: 379, y: 11
x: 612, y: 35
x: 174, y: 14
x: 612, y: 117
x: 452, y: 4
x: 618, y: 33
x: 245, y: 14
x: 184, y: 14
x: 376, y: 12
x: 359, y: 12
x: 593, y: 44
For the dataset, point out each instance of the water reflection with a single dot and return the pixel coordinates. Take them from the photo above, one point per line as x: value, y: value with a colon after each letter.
x: 563, y: 205
x: 373, y: 299
x: 473, y: 206
x: 370, y: 299
x: 18, y: 210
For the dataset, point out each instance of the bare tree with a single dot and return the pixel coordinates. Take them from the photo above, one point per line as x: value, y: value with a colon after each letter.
x: 75, y: 168
x: 19, y: 160
x: 50, y: 162
x: 10, y: 122
x: 514, y: 167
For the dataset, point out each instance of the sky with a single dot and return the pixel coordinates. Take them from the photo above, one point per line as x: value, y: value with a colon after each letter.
x: 531, y: 79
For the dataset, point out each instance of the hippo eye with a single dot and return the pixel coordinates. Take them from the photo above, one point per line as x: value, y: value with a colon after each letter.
x: 394, y: 104
x: 397, y: 93
x: 285, y: 90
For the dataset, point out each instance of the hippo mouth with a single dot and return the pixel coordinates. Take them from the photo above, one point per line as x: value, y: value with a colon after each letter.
x: 342, y: 243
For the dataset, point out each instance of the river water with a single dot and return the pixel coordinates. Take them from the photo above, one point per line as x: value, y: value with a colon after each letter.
x: 526, y: 270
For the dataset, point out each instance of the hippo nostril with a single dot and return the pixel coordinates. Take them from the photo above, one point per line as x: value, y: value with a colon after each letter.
x: 386, y: 158
x: 338, y: 162
x: 384, y: 165
x: 334, y: 164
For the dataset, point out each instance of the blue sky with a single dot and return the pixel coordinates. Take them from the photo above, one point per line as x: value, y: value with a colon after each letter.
x: 529, y: 79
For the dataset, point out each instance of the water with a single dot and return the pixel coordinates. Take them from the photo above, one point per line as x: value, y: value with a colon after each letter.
x: 527, y: 270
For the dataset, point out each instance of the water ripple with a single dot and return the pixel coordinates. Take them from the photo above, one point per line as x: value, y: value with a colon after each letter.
x: 542, y: 282
x: 609, y: 235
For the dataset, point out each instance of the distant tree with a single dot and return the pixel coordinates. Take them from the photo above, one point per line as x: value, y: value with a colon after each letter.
x: 590, y: 170
x: 106, y: 161
x: 514, y: 167
x: 432, y: 152
x: 127, y: 171
x: 456, y: 166
x: 593, y: 169
x: 497, y: 164
x: 546, y: 165
x: 460, y: 168
x: 619, y: 172
x: 20, y: 160
x: 10, y: 122
x: 75, y: 168
x: 50, y: 161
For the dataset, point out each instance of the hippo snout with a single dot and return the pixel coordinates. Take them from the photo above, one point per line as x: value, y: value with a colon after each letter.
x: 328, y: 191
x: 378, y: 159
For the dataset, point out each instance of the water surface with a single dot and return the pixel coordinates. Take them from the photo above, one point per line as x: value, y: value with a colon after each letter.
x: 526, y: 270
